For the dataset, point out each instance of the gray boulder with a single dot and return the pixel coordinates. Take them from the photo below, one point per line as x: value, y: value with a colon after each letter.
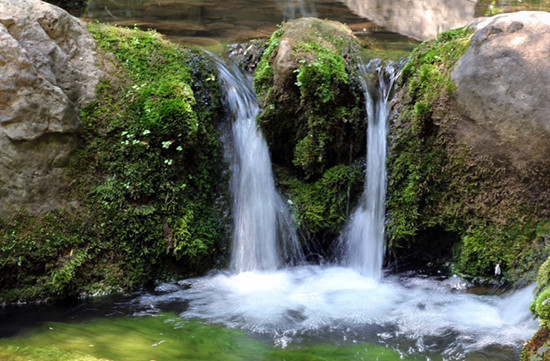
x: 503, y: 84
x: 47, y: 71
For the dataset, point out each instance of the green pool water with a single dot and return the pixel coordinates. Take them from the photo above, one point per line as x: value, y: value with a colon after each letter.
x: 165, y: 337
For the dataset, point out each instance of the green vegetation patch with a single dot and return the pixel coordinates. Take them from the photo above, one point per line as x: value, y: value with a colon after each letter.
x: 313, y: 118
x: 322, y: 207
x: 148, y: 179
x: 441, y: 194
x: 310, y: 97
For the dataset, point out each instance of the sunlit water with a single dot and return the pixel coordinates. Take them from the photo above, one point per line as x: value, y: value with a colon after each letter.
x: 213, y: 24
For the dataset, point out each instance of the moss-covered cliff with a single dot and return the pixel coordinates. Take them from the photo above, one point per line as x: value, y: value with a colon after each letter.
x: 451, y: 201
x: 147, y: 196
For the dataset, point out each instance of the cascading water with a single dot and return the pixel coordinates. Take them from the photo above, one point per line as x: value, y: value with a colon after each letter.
x: 264, y: 237
x: 363, y: 236
x: 420, y: 318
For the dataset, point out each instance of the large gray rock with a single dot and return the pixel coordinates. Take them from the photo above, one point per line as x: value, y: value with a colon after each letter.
x: 47, y: 71
x: 503, y: 83
x: 421, y: 20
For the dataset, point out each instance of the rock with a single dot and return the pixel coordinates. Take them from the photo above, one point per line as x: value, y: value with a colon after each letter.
x: 166, y: 288
x: 310, y: 96
x: 47, y: 71
x: 313, y: 118
x: 503, y: 83
x: 469, y: 165
x: 421, y: 20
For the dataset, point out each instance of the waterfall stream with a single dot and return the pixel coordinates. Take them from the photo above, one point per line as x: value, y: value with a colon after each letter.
x: 264, y: 237
x: 435, y: 319
x: 363, y: 236
x: 288, y: 312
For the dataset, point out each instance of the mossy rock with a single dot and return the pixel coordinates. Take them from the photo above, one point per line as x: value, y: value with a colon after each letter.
x: 147, y: 196
x: 310, y: 97
x: 541, y: 305
x: 543, y: 275
x: 313, y: 118
x: 445, y: 192
x: 538, y: 347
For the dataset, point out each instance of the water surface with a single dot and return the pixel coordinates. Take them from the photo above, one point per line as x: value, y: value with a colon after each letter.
x: 299, y: 313
x: 213, y: 24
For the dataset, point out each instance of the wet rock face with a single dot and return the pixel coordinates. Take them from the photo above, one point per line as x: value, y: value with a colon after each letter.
x: 47, y: 71
x: 503, y: 82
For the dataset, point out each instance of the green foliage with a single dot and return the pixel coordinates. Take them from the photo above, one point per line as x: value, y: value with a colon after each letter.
x: 323, y: 206
x: 322, y: 79
x: 542, y: 308
x: 147, y: 178
x: 316, y: 105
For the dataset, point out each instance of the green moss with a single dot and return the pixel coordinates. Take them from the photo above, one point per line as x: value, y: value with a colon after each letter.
x: 323, y: 206
x: 417, y: 162
x: 146, y: 180
x: 161, y: 157
x: 312, y: 101
x: 263, y: 75
x: 543, y: 275
x: 542, y: 308
x: 513, y: 247
x: 437, y: 189
x: 537, y: 347
x: 321, y: 79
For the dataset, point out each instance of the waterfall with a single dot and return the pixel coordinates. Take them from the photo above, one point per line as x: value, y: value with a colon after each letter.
x: 363, y: 236
x: 264, y: 237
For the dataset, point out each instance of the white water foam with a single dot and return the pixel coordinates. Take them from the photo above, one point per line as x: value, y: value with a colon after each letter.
x: 339, y: 305
x: 332, y: 304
